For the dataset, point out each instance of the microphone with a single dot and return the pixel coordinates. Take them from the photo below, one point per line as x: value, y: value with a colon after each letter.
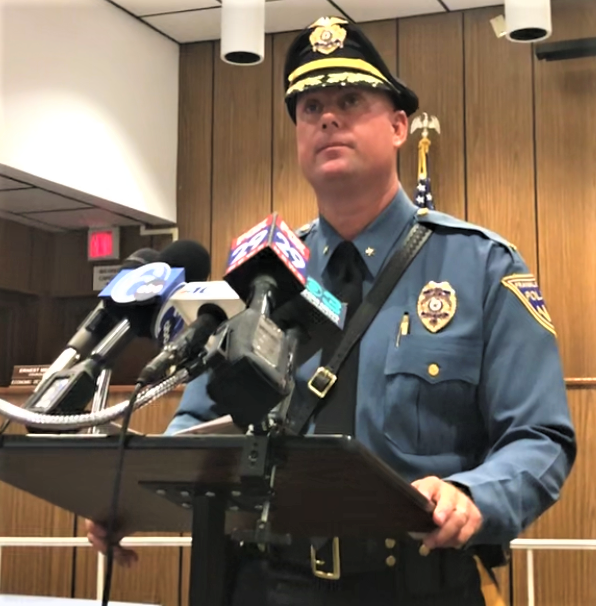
x: 315, y: 316
x: 136, y: 297
x: 251, y: 357
x: 211, y: 303
x: 95, y: 326
x: 268, y: 264
x: 189, y: 299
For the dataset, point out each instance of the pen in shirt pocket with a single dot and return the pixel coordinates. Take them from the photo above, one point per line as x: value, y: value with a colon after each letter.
x: 404, y: 328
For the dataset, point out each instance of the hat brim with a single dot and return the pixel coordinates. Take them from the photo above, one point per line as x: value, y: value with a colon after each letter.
x: 337, y: 78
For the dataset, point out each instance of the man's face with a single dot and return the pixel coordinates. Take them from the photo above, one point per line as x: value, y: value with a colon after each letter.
x: 347, y: 131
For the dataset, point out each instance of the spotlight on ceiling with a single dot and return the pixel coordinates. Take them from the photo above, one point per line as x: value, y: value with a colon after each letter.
x: 243, y: 31
x: 528, y: 20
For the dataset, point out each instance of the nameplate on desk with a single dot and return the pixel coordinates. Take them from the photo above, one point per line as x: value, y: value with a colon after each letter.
x: 27, y: 376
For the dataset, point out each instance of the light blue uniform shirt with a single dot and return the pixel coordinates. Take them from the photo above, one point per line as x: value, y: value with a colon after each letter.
x: 480, y: 402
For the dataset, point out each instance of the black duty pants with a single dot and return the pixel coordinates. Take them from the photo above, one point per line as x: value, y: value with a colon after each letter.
x: 433, y: 582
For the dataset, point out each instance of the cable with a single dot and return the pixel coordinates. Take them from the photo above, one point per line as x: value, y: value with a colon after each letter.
x: 111, y: 526
x: 93, y: 419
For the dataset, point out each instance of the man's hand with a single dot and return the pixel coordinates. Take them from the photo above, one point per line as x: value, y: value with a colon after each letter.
x: 455, y: 514
x: 96, y: 534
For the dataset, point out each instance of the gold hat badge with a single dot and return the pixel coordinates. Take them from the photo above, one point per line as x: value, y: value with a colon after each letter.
x: 328, y: 35
x: 436, y: 305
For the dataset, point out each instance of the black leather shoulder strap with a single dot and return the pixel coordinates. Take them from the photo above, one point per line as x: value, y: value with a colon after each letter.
x: 325, y: 376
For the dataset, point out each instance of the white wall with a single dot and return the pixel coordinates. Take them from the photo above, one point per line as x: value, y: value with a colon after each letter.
x: 89, y: 99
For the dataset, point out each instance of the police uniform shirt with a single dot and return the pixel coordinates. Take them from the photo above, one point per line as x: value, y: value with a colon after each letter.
x: 472, y: 391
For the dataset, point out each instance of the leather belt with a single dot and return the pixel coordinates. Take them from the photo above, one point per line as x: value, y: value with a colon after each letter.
x: 335, y: 558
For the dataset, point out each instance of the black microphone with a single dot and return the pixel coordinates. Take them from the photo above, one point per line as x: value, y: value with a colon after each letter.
x: 210, y: 303
x: 315, y: 316
x: 188, y: 346
x: 70, y: 391
x: 251, y: 357
x: 95, y: 326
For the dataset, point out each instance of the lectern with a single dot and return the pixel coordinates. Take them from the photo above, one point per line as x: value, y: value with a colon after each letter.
x: 261, y: 488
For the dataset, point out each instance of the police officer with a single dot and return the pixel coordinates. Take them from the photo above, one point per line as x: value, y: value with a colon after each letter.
x: 459, y: 385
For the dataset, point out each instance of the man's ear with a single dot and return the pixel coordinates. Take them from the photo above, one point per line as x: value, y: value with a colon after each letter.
x: 399, y: 123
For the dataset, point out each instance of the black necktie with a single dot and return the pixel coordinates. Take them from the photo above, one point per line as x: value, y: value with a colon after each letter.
x: 346, y: 272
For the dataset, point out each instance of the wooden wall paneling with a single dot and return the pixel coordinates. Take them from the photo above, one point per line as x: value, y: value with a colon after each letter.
x: 242, y: 148
x: 6, y: 341
x: 565, y: 578
x: 383, y: 34
x: 16, y: 256
x: 431, y: 62
x: 20, y: 318
x: 155, y: 578
x: 500, y: 134
x: 293, y: 198
x: 42, y: 256
x: 566, y: 157
x: 184, y: 574
x: 195, y: 139
x: 72, y: 275
x: 33, y: 570
x: 41, y: 282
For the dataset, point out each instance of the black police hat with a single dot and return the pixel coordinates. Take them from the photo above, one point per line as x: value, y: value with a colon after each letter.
x: 335, y: 52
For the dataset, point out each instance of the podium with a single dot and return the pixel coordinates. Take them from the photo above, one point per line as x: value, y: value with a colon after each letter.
x: 262, y: 488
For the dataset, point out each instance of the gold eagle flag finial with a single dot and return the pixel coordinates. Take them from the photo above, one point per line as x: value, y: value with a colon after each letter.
x: 426, y: 123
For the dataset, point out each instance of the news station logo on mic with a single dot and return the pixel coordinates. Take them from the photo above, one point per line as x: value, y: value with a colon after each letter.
x: 269, y: 245
x: 192, y: 296
x: 168, y: 324
x: 144, y: 284
x: 325, y: 302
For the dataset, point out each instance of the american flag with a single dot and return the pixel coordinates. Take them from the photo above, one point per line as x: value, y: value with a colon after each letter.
x: 423, y: 196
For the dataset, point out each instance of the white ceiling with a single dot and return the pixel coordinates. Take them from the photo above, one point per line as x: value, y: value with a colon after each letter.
x: 197, y: 20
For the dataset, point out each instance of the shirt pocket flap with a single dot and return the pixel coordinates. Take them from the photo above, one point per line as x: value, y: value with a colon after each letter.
x: 436, y: 358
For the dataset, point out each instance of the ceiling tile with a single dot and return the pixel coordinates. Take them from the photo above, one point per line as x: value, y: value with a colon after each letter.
x: 289, y: 15
x: 82, y: 219
x: 152, y: 7
x: 456, y: 5
x: 375, y: 10
x: 35, y: 200
x: 189, y: 27
x: 6, y: 183
x: 30, y: 222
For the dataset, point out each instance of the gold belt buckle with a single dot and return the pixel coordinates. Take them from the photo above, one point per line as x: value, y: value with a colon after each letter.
x: 335, y: 573
x: 327, y: 374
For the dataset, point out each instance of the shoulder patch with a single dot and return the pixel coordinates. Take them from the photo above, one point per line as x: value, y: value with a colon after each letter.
x: 303, y: 231
x: 526, y: 289
x: 433, y: 217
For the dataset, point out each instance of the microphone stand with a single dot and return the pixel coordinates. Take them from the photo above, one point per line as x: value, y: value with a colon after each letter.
x: 100, y: 398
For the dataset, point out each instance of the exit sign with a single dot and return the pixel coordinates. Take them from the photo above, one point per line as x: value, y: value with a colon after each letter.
x: 103, y: 244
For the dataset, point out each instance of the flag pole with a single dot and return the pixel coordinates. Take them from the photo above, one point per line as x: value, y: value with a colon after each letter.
x: 423, y: 196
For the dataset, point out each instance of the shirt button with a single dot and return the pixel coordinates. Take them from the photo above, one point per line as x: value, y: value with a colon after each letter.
x: 390, y: 561
x: 433, y: 370
x: 390, y: 543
